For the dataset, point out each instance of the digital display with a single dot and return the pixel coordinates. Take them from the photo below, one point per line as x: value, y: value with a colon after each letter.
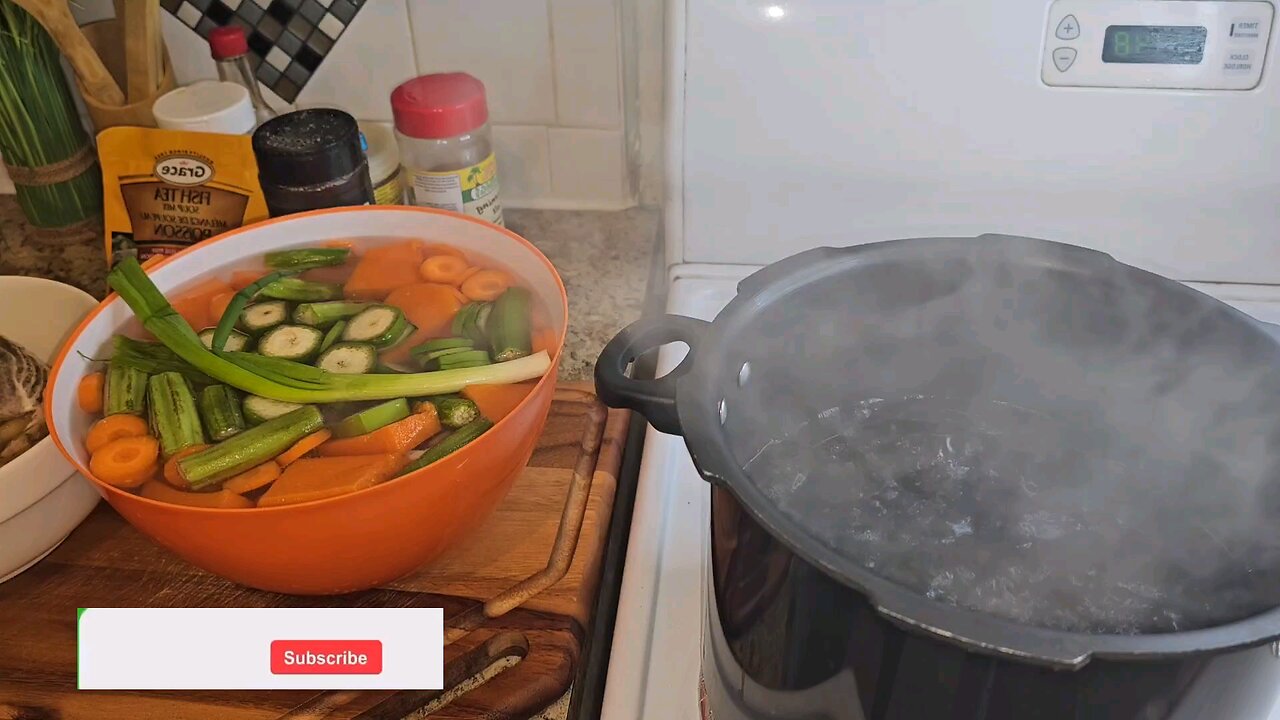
x: 1154, y: 44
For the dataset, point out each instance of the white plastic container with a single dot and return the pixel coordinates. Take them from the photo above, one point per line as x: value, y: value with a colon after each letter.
x: 208, y: 106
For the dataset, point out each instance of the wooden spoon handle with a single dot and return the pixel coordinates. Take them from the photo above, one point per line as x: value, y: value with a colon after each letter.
x: 57, y: 21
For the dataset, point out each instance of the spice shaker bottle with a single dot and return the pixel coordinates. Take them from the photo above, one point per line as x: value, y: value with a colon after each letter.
x: 442, y: 127
x: 230, y: 52
x: 311, y: 159
x: 208, y: 106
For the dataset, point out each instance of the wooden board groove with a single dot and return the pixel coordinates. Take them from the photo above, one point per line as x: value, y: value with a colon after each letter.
x: 105, y: 563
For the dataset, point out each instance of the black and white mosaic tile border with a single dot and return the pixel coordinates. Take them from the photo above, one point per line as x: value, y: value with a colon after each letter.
x: 288, y: 39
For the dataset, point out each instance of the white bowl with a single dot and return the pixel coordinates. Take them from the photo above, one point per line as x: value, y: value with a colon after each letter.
x: 42, y: 497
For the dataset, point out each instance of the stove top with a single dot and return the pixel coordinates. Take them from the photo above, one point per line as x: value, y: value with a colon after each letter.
x: 656, y: 657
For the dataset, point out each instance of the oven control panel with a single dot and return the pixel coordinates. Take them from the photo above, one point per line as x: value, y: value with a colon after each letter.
x: 1196, y: 44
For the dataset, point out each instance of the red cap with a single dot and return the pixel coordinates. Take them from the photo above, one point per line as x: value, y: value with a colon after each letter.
x: 439, y: 106
x: 227, y: 41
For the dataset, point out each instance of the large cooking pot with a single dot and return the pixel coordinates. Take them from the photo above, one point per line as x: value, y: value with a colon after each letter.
x: 1012, y: 449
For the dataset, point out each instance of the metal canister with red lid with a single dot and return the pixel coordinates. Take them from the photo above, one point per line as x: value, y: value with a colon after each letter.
x: 442, y: 128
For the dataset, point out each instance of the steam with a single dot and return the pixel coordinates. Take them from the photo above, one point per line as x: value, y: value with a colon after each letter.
x: 1058, y: 448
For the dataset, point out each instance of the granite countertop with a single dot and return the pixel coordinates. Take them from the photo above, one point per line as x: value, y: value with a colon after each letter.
x: 603, y: 257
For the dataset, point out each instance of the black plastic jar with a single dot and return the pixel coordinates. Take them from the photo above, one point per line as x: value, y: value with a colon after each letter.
x: 311, y: 159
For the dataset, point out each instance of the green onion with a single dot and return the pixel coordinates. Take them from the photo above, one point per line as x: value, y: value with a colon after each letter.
x: 291, y: 381
x: 39, y: 124
x: 229, y: 317
x: 299, y: 290
x: 153, y: 359
x: 305, y: 258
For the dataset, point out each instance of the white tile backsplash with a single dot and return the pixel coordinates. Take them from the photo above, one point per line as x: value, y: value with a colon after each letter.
x: 504, y: 43
x: 524, y: 164
x: 371, y: 58
x: 590, y: 166
x: 552, y: 68
x: 585, y: 44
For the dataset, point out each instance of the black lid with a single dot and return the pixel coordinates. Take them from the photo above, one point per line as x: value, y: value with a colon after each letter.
x: 306, y: 147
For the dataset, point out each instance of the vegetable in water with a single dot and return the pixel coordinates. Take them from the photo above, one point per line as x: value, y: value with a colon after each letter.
x: 220, y: 412
x: 398, y: 437
x: 455, y: 442
x: 303, y: 446
x: 291, y: 342
x: 251, y: 447
x: 311, y: 479
x: 170, y: 472
x: 455, y: 412
x: 258, y: 409
x: 252, y: 479
x: 298, y: 290
x: 260, y: 317
x: 304, y: 384
x: 89, y: 392
x: 321, y: 314
x: 349, y: 358
x: 509, y: 325
x: 114, y: 427
x: 126, y: 390
x: 333, y: 335
x: 230, y: 316
x: 152, y: 358
x: 370, y: 419
x: 127, y: 462
x: 236, y: 341
x: 220, y: 499
x: 464, y: 359
x: 306, y: 258
x: 174, y: 415
x: 378, y: 325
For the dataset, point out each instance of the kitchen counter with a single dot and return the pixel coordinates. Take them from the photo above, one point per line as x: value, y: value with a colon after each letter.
x: 603, y: 257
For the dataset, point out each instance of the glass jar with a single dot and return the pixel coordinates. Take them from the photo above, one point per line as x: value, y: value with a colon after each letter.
x: 442, y: 128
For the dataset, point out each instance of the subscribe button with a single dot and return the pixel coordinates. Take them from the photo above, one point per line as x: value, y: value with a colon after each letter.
x: 261, y: 648
x: 326, y: 657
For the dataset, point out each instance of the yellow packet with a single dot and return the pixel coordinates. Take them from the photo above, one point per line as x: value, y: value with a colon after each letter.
x: 165, y: 190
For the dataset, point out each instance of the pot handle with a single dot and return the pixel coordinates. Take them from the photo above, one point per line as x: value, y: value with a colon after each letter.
x: 655, y: 399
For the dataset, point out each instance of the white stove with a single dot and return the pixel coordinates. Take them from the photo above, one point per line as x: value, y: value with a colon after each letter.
x: 798, y: 123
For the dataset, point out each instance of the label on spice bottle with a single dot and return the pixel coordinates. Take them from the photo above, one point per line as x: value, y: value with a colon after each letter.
x: 470, y: 190
x: 390, y: 191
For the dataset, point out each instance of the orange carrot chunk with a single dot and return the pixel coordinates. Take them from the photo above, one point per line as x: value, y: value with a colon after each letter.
x: 302, y: 447
x: 445, y: 269
x: 486, y: 285
x: 398, y: 437
x: 193, y: 304
x: 127, y: 462
x: 218, y: 305
x: 220, y: 499
x: 253, y: 478
x: 497, y: 401
x: 429, y: 306
x: 89, y: 392
x: 319, y: 478
x: 112, y: 428
x: 171, y: 474
x: 383, y: 269
x: 432, y: 249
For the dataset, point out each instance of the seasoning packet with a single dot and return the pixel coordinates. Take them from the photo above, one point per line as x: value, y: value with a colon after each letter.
x: 165, y: 190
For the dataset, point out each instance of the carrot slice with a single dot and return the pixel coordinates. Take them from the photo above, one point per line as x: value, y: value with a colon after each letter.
x: 253, y: 478
x: 337, y: 274
x: 89, y: 392
x: 486, y: 285
x: 171, y: 474
x: 193, y: 304
x: 302, y: 447
x: 497, y: 401
x: 398, y: 437
x: 218, y: 306
x: 462, y: 299
x: 220, y: 499
x: 429, y: 306
x: 112, y: 428
x: 432, y: 249
x: 319, y: 478
x: 445, y: 269
x: 383, y: 269
x: 241, y: 279
x: 127, y: 462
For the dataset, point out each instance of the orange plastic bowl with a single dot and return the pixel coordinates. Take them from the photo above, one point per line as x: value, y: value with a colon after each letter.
x: 352, y: 542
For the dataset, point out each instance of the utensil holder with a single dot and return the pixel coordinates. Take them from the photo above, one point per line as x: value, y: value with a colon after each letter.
x: 107, y: 38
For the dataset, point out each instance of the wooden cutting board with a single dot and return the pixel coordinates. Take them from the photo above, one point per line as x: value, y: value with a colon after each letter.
x: 105, y: 563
